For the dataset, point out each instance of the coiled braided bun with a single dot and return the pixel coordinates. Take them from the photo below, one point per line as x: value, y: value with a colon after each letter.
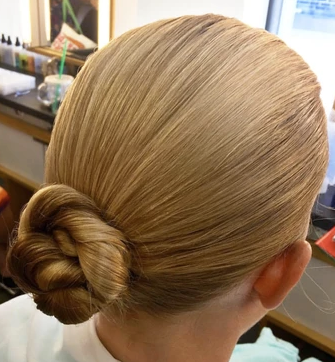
x: 68, y: 257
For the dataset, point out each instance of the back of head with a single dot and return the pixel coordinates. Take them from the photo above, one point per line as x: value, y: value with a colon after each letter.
x: 187, y: 154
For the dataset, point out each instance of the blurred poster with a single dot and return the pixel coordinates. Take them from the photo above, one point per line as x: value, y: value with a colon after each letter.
x: 316, y: 15
x: 80, y: 17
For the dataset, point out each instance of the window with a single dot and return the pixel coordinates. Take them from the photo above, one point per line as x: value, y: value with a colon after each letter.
x: 308, y: 26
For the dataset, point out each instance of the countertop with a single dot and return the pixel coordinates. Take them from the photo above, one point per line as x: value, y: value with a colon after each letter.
x: 28, y: 103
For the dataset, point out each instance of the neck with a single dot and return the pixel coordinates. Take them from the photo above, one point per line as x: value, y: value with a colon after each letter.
x: 197, y: 337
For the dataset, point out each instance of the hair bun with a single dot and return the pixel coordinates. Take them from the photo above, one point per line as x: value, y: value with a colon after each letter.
x: 67, y: 256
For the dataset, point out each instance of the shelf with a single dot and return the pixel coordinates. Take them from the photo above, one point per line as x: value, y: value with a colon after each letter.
x: 37, y: 133
x: 49, y: 52
x: 23, y: 181
x: 301, y: 331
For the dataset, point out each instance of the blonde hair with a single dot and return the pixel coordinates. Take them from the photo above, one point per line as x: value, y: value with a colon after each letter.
x: 187, y: 153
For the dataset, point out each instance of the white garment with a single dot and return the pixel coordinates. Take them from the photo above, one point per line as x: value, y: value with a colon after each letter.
x: 28, y: 335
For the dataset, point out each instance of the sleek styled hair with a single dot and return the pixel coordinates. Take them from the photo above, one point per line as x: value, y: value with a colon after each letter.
x: 187, y: 154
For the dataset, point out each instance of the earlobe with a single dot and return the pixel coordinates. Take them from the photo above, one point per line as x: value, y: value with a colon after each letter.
x: 278, y: 278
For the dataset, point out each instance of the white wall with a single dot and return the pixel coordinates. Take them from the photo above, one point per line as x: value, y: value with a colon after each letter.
x: 19, y: 18
x: 125, y: 16
x: 255, y: 12
x: 132, y: 13
x: 152, y: 10
x: 10, y: 23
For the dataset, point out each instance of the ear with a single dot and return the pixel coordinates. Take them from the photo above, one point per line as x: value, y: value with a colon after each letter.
x: 282, y: 274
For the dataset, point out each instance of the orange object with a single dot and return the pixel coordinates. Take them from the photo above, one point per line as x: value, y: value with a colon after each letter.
x: 327, y: 242
x: 4, y: 199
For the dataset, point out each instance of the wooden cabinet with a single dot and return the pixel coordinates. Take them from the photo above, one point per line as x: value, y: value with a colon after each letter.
x: 22, y: 155
x: 18, y: 192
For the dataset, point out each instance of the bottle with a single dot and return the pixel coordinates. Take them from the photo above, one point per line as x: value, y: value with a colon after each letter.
x: 39, y: 61
x: 3, y: 44
x: 27, y: 58
x: 7, y: 53
x: 16, y: 53
x: 31, y: 62
x: 23, y: 57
